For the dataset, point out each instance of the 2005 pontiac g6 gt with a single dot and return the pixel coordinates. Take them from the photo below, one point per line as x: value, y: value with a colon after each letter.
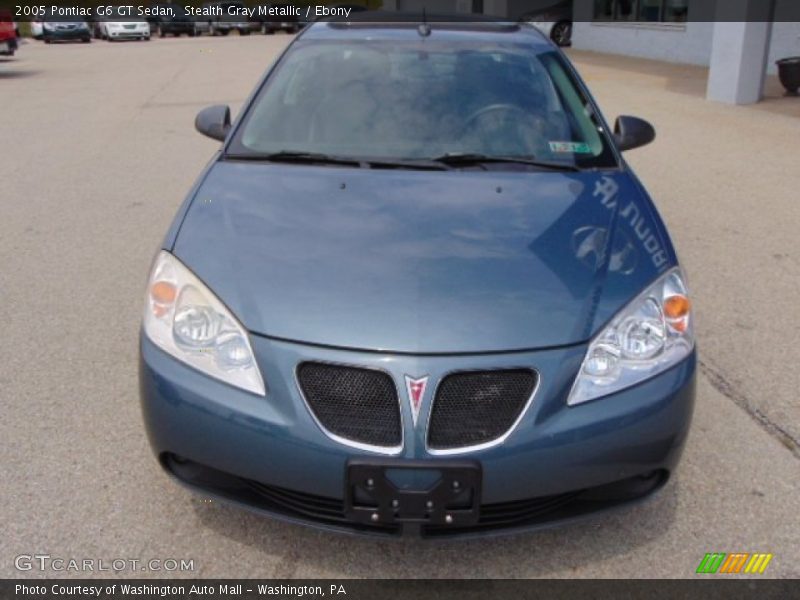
x: 419, y: 290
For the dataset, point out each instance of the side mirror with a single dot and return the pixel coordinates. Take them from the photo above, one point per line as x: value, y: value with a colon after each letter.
x: 632, y: 132
x: 214, y: 121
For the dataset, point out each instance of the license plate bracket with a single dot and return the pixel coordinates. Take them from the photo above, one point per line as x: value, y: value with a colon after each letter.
x: 373, y: 495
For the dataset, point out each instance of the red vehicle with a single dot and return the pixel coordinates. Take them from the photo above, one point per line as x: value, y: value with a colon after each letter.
x: 8, y: 34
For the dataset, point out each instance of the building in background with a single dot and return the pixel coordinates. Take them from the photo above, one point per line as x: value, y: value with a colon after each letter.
x: 662, y: 29
x: 739, y: 40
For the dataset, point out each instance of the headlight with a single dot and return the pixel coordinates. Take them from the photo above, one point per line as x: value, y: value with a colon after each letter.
x: 648, y: 336
x: 48, y: 25
x: 186, y: 320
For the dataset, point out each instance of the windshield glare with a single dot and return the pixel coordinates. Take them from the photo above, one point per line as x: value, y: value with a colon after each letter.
x: 423, y: 99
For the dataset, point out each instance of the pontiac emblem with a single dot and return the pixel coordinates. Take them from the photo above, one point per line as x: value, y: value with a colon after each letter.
x: 416, y: 392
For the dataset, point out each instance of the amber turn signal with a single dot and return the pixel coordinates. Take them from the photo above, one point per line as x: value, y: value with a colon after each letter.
x: 163, y: 295
x: 677, y: 307
x: 676, y: 310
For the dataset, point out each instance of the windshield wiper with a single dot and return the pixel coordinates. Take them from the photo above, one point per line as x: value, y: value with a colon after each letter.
x: 443, y: 162
x: 465, y: 159
x: 318, y: 158
x: 422, y: 164
x: 290, y: 156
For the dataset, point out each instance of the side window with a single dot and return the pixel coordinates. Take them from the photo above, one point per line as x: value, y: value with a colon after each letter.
x: 584, y: 128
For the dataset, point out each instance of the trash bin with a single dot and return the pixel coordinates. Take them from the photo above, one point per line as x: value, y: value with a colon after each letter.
x: 789, y: 74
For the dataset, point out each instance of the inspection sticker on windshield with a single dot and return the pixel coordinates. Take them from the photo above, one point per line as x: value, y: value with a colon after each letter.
x: 574, y: 147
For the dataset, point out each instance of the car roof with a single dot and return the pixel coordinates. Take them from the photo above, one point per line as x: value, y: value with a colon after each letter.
x: 397, y: 26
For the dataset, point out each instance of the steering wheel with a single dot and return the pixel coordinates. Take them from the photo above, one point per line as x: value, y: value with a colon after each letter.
x: 493, y: 108
x: 527, y: 131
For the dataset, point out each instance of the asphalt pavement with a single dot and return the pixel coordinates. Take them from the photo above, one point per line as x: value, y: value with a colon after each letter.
x: 98, y: 150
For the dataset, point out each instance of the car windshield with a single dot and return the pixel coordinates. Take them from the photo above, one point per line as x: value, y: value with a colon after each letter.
x: 423, y: 99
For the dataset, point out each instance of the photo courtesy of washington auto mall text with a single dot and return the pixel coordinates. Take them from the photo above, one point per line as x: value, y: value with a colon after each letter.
x: 71, y: 591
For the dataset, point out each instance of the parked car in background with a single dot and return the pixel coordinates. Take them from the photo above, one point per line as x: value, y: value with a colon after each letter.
x: 118, y: 27
x: 37, y: 29
x: 201, y: 27
x: 179, y: 24
x: 283, y: 18
x: 228, y: 21
x: 553, y: 18
x: 66, y: 31
x: 8, y: 34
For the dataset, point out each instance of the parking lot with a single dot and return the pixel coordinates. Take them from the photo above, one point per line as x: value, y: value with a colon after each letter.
x: 98, y: 151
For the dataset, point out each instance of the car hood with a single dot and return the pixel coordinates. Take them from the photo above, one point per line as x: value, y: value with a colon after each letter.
x: 422, y: 261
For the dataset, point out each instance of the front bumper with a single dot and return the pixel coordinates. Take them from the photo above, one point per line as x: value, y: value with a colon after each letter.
x: 281, y: 25
x: 179, y: 27
x: 249, y: 27
x: 128, y: 34
x: 66, y: 34
x: 558, y: 463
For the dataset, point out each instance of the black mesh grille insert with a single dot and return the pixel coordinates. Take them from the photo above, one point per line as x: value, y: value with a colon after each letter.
x: 476, y: 407
x: 357, y: 404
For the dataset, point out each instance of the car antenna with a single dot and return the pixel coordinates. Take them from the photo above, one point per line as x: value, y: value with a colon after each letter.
x: 424, y: 29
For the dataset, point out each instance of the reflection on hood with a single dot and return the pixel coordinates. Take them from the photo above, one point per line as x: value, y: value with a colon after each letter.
x: 415, y: 261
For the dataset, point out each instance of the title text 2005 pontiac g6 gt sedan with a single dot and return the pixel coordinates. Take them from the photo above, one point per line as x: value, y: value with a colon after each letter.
x: 419, y: 290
